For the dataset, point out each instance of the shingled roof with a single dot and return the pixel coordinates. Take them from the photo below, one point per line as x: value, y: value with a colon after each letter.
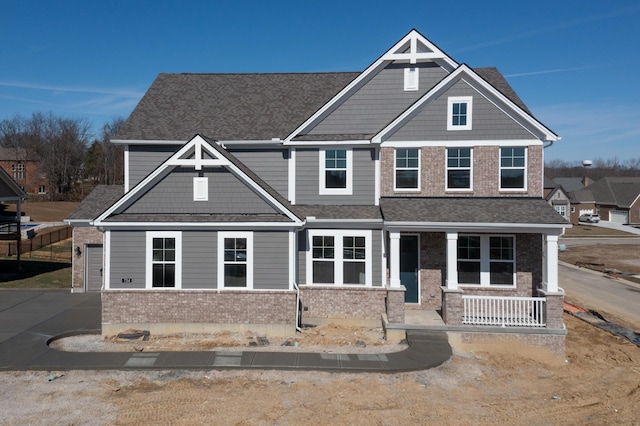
x: 230, y: 106
x: 244, y: 106
x: 98, y: 200
x: 617, y: 191
x: 507, y: 210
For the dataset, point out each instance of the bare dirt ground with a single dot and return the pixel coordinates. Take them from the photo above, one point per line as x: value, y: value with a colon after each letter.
x: 620, y: 260
x: 46, y: 211
x: 599, y: 383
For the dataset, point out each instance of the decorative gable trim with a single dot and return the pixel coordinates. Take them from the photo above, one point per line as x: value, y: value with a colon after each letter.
x: 197, y: 153
x: 412, y: 48
x: 463, y: 72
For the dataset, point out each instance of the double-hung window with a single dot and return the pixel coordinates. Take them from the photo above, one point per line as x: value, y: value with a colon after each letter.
x: 407, y: 169
x: 339, y: 257
x: 459, y: 112
x: 486, y: 260
x: 459, y: 173
x: 235, y: 260
x: 513, y: 168
x: 561, y: 209
x: 336, y: 171
x: 164, y: 260
x: 17, y: 171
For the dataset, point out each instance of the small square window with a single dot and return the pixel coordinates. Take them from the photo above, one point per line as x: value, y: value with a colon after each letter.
x: 459, y: 112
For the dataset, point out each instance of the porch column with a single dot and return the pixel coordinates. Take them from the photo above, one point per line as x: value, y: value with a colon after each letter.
x: 394, y: 259
x: 452, y: 260
x: 551, y: 264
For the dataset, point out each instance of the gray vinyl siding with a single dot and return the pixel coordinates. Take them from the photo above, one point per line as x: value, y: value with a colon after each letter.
x: 200, y: 261
x: 488, y: 122
x: 127, y: 259
x: 308, y: 183
x: 376, y: 249
x: 143, y: 159
x: 302, y: 257
x: 271, y: 260
x: 379, y: 101
x: 272, y: 167
x: 174, y: 195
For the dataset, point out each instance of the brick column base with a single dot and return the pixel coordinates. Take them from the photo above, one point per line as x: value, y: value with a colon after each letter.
x: 553, y: 309
x: 452, y: 306
x: 395, y: 304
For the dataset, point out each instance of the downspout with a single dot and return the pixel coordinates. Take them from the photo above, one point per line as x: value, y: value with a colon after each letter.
x: 295, y: 285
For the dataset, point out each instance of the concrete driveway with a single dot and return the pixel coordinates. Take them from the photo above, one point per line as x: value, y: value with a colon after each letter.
x: 617, y: 226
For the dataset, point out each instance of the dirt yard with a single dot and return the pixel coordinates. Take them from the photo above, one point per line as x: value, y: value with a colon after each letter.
x: 598, y: 383
x: 619, y: 260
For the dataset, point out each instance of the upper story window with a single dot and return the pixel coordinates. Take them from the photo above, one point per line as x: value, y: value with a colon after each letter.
x: 336, y: 171
x: 17, y: 171
x: 486, y: 260
x: 459, y: 171
x: 411, y: 78
x: 513, y: 169
x: 164, y: 259
x: 407, y: 169
x: 459, y: 112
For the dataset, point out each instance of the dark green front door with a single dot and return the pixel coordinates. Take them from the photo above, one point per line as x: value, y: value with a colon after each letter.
x: 409, y: 254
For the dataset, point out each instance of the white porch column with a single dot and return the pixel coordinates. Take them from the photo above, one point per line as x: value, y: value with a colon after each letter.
x: 452, y: 260
x: 551, y: 264
x: 394, y: 259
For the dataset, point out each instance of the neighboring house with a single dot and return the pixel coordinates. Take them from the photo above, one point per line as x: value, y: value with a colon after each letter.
x: 10, y: 192
x: 259, y: 201
x: 557, y: 198
x: 25, y: 169
x: 581, y: 199
x: 617, y: 199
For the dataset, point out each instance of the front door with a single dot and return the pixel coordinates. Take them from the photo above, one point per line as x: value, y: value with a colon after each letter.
x: 409, y: 259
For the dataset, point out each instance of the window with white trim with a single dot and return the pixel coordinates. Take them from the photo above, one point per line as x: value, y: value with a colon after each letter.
x: 561, y: 209
x: 340, y: 257
x: 235, y: 260
x: 459, y: 164
x: 17, y: 171
x: 411, y: 78
x: 164, y: 259
x: 336, y: 171
x: 407, y: 169
x: 42, y: 189
x: 513, y: 168
x: 486, y: 260
x: 459, y: 112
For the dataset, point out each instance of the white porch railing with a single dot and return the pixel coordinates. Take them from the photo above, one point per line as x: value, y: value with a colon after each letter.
x: 504, y: 311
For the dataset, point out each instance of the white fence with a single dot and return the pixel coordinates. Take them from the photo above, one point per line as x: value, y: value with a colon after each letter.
x: 504, y: 311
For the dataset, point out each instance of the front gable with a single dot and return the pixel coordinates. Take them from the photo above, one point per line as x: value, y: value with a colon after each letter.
x: 381, y: 92
x: 200, y: 183
x: 495, y: 116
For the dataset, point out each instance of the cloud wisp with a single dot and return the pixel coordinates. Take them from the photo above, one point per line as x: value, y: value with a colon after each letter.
x: 71, y: 89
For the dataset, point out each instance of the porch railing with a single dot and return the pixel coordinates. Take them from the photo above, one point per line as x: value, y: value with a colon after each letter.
x: 504, y: 311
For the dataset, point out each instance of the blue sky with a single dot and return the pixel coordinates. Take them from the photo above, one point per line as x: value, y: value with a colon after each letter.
x: 573, y: 63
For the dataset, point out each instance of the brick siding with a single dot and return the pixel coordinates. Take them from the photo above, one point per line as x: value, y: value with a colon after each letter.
x: 323, y: 302
x: 82, y: 235
x: 198, y: 307
x: 486, y: 173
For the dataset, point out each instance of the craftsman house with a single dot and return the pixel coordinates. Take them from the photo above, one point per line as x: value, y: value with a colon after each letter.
x: 264, y: 201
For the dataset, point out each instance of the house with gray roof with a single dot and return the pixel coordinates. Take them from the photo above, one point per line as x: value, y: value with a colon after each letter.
x: 617, y: 199
x: 266, y: 201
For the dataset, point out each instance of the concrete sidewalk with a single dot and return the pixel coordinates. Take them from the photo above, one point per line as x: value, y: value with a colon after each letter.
x: 29, y: 319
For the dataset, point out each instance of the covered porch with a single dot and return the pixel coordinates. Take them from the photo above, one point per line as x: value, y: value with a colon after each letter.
x: 499, y: 271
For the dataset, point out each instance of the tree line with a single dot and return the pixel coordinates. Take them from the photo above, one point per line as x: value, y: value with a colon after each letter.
x: 61, y: 145
x: 599, y: 168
